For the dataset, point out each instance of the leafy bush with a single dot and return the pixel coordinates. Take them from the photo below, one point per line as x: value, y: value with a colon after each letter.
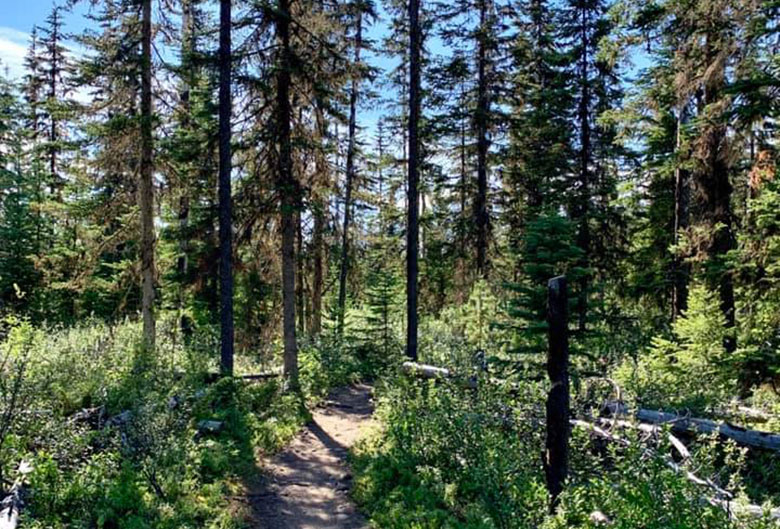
x: 455, y: 458
x: 113, y: 431
x: 630, y: 487
x: 452, y: 460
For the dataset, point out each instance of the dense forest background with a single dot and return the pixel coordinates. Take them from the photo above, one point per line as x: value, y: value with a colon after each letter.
x: 324, y: 187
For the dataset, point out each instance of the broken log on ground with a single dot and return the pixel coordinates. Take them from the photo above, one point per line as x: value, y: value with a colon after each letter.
x: 692, y: 425
x: 437, y: 373
x: 12, y: 503
x: 723, y: 498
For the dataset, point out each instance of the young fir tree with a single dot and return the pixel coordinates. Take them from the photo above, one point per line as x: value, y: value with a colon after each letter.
x: 540, y: 150
x: 33, y: 93
x: 189, y: 160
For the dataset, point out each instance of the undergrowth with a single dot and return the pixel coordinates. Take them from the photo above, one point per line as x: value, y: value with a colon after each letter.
x: 454, y: 458
x: 117, y: 437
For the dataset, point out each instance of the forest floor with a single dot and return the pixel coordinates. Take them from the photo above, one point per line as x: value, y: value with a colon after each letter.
x: 306, y: 486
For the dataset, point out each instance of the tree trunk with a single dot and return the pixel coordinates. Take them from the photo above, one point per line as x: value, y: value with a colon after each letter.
x: 225, y: 209
x: 319, y: 208
x: 583, y: 234
x: 482, y: 114
x: 288, y: 192
x: 714, y: 192
x: 182, y: 263
x: 299, y: 286
x: 317, y: 273
x: 680, y: 270
x: 54, y: 70
x: 462, y: 232
x: 146, y: 187
x: 556, y: 458
x: 412, y: 228
x: 350, y: 172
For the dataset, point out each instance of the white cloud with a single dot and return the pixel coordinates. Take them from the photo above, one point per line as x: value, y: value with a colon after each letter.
x: 13, y: 48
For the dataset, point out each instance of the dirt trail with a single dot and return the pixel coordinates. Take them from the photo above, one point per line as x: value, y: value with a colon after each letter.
x: 306, y: 486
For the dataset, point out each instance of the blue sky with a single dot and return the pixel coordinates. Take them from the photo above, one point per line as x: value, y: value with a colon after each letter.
x: 16, y: 22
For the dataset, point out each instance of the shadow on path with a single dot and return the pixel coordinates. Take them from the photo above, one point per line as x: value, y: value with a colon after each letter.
x: 306, y: 486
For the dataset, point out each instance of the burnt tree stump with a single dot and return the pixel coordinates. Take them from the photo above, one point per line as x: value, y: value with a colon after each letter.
x: 556, y: 456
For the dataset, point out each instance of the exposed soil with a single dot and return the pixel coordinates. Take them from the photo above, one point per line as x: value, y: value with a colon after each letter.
x: 306, y: 486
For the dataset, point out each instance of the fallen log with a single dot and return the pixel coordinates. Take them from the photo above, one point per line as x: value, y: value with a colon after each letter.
x: 13, y: 502
x: 436, y: 373
x: 213, y: 377
x: 693, y: 425
x: 723, y: 498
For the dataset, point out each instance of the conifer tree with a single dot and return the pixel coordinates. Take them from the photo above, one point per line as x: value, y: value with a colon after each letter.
x: 54, y: 63
x: 146, y: 185
x: 412, y: 194
x: 225, y: 206
x: 584, y: 24
x: 361, y: 10
x: 287, y: 186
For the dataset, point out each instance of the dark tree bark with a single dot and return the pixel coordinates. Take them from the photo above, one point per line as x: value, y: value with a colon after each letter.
x: 463, y: 184
x: 182, y: 263
x: 556, y: 457
x: 412, y: 227
x: 350, y: 172
x: 225, y: 209
x: 482, y: 220
x: 288, y: 192
x: 146, y: 187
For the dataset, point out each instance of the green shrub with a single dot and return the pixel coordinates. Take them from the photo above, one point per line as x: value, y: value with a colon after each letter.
x: 690, y: 370
x: 450, y: 459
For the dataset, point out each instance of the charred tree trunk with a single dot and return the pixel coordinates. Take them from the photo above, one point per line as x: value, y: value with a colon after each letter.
x: 225, y: 209
x: 556, y: 457
x: 288, y: 192
x: 350, y: 170
x: 146, y: 187
x: 412, y: 228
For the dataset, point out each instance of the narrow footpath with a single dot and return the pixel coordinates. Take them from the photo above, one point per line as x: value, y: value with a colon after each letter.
x: 306, y: 486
